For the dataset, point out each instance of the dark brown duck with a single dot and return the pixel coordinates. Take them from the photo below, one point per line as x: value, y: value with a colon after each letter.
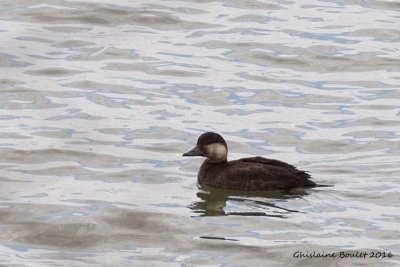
x: 254, y: 173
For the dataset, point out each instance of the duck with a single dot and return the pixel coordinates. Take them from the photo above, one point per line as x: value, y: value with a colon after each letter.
x: 245, y: 174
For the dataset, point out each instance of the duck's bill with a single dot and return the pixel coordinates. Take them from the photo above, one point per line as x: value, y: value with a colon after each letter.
x: 196, y: 151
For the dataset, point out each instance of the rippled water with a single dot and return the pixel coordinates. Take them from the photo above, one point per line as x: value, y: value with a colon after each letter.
x: 100, y: 98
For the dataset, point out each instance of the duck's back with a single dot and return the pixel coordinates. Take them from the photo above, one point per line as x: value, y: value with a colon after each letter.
x: 255, y: 173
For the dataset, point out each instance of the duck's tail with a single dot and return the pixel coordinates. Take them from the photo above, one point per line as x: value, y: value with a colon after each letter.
x: 323, y: 185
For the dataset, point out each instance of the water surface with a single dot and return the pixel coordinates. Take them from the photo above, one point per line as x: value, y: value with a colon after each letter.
x: 99, y: 99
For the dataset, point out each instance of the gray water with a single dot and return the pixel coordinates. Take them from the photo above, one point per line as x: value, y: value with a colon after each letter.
x: 99, y: 99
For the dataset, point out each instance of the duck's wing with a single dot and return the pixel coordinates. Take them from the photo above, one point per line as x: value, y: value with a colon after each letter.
x: 260, y: 173
x: 271, y: 162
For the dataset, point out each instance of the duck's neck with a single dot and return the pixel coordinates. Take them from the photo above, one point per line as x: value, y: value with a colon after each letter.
x: 209, y: 161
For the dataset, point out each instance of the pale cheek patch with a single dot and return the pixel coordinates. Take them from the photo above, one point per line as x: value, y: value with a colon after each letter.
x: 216, y: 151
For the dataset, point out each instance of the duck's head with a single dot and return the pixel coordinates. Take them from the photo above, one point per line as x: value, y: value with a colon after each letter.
x: 210, y: 145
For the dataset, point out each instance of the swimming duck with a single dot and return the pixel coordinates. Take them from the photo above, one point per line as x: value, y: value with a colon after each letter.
x: 250, y: 174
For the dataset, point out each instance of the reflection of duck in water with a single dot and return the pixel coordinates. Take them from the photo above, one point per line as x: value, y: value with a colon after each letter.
x: 250, y: 174
x: 213, y: 202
